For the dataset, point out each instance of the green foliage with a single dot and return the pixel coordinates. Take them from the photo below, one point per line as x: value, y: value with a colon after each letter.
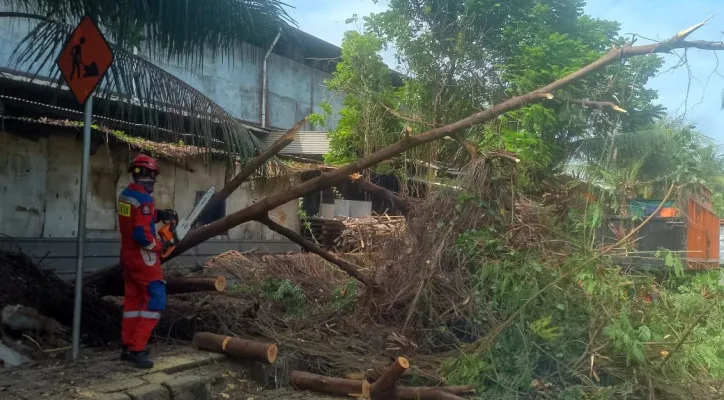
x: 460, y: 57
x: 345, y: 298
x: 645, y: 163
x: 541, y: 327
x: 633, y: 320
x: 304, y: 219
x: 364, y: 124
x: 288, y: 294
x: 566, y: 307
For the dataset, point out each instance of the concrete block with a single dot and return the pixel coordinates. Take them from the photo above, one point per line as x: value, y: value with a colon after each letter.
x: 188, y: 388
x: 264, y: 375
x: 118, y: 383
x: 113, y: 396
x: 177, y: 363
x: 158, y: 377
x: 152, y: 391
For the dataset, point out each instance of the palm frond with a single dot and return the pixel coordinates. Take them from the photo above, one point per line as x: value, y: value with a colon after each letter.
x: 136, y: 89
x: 186, y: 30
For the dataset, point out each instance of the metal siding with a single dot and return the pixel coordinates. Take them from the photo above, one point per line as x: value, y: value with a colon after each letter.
x: 702, y: 239
x: 305, y: 142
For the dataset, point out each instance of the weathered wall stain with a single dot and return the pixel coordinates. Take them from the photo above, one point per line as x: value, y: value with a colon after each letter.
x: 39, y: 191
x: 28, y: 209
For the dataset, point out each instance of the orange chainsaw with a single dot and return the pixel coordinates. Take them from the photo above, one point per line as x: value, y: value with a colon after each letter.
x: 174, y: 231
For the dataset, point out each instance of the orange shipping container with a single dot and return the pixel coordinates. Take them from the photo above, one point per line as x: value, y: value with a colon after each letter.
x: 702, y: 235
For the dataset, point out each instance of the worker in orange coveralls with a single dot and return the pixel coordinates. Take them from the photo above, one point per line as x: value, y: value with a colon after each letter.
x: 145, y: 288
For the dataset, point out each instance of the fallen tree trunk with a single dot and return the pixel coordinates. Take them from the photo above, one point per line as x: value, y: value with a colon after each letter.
x: 115, y: 271
x: 402, y: 204
x: 252, y: 166
x: 353, y: 388
x: 193, y: 284
x: 113, y: 284
x: 348, y: 267
x: 236, y: 347
x: 336, y: 176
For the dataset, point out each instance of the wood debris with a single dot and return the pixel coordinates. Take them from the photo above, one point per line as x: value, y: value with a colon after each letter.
x: 368, y: 234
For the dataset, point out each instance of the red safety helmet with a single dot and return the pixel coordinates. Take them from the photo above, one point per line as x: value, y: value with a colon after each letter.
x: 142, y: 162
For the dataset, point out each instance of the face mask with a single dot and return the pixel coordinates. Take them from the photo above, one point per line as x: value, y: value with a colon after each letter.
x: 147, y: 184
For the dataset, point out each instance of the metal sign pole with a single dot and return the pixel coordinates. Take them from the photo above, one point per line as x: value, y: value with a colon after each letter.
x: 81, y: 226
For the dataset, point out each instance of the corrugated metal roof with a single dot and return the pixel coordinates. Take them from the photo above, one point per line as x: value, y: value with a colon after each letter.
x: 305, y: 142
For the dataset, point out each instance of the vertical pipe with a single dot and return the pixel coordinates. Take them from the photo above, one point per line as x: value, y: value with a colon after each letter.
x: 81, y: 226
x: 264, y: 79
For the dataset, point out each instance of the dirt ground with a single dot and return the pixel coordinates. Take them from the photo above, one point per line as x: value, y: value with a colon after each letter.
x: 227, y: 379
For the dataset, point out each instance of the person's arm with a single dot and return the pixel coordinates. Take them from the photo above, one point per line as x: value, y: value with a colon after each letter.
x: 142, y: 220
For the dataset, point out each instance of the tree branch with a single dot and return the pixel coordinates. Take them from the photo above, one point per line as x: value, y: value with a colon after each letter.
x: 466, y: 145
x: 352, y: 269
x: 334, y: 177
x: 597, y: 104
x: 400, y: 202
x: 252, y: 166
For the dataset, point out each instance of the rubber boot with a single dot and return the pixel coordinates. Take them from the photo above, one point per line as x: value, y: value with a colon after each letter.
x: 124, y: 353
x: 139, y: 359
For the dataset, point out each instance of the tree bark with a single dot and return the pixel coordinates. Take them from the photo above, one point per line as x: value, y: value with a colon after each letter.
x: 350, y: 387
x: 400, y: 202
x: 390, y: 377
x: 344, y: 265
x: 334, y: 177
x: 193, y: 284
x: 235, y: 347
x: 325, y: 384
x: 252, y: 166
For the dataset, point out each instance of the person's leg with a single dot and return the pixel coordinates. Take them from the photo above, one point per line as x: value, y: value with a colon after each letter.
x: 154, y: 301
x: 134, y: 338
x: 132, y: 304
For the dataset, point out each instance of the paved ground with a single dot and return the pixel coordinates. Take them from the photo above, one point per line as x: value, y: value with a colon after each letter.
x: 180, y: 373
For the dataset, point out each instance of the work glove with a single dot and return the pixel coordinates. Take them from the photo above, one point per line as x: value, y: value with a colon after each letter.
x: 166, y: 215
x: 155, y: 247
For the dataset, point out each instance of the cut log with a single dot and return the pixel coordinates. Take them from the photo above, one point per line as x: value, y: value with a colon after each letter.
x: 235, y: 347
x: 433, y: 393
x: 354, y: 388
x: 193, y: 284
x: 325, y: 384
x: 388, y: 379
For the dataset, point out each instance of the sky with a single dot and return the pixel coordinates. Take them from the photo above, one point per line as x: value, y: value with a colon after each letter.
x: 694, y: 92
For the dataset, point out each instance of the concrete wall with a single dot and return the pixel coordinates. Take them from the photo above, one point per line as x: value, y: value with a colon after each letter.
x: 295, y: 89
x: 40, y: 180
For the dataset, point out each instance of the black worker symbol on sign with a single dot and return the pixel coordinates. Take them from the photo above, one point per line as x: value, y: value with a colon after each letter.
x: 90, y: 70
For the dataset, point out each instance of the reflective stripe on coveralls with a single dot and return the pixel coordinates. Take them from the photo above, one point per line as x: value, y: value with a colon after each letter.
x: 142, y: 314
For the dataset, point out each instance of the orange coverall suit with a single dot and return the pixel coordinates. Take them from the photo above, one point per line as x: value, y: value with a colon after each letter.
x: 145, y: 289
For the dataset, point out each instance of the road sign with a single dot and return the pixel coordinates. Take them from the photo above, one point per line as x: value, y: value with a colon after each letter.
x: 85, y: 59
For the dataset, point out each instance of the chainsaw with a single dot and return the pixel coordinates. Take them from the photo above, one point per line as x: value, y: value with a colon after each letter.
x: 174, y: 231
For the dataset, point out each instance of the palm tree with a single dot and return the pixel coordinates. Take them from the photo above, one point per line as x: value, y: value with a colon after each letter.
x: 184, y: 30
x: 645, y: 163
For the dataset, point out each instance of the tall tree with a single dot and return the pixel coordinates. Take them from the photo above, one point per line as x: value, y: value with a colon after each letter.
x: 460, y: 57
x: 644, y: 163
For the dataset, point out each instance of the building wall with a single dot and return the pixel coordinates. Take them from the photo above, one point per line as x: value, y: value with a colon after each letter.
x: 40, y: 181
x: 294, y: 89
